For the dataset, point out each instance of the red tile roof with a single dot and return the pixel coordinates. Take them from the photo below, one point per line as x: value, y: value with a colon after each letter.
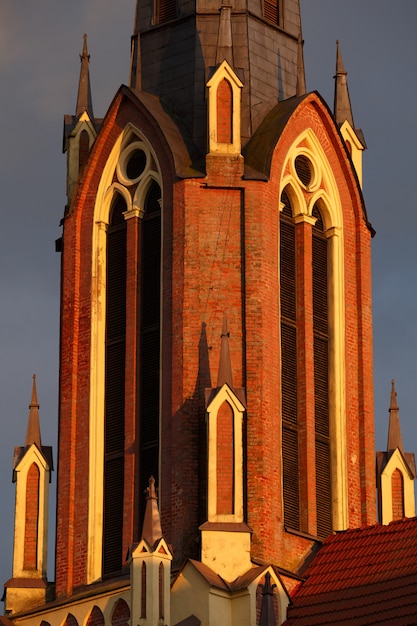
x: 361, y: 577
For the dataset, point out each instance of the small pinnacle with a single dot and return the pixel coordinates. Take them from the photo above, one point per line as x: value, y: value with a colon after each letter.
x: 393, y: 403
x: 394, y: 429
x: 84, y: 102
x: 267, y: 616
x: 342, y: 107
x: 301, y: 77
x: 33, y: 433
x: 225, y: 366
x: 151, y: 530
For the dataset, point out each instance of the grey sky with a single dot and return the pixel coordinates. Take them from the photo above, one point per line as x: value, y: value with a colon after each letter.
x: 39, y: 68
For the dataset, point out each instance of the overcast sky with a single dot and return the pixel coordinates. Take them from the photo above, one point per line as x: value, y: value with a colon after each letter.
x: 40, y: 42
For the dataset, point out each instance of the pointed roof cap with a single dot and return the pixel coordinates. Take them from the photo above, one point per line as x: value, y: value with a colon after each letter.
x: 84, y: 101
x: 151, y: 530
x: 224, y: 50
x: 267, y: 617
x: 301, y: 75
x: 225, y: 367
x: 33, y: 433
x: 342, y: 106
x: 394, y: 429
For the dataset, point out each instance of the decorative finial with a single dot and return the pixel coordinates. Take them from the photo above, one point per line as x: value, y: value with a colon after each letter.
x: 301, y: 76
x: 84, y: 54
x: 151, y: 530
x: 267, y: 617
x: 225, y: 366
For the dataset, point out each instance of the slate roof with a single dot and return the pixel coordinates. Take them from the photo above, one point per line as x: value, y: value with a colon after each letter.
x: 361, y: 577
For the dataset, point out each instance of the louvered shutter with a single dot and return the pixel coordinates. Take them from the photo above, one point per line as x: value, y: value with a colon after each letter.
x: 321, y: 391
x: 167, y: 10
x: 114, y: 389
x: 289, y: 369
x: 150, y: 336
x: 271, y: 11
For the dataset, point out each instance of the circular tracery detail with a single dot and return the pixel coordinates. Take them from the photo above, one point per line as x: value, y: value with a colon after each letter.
x: 136, y: 164
x: 304, y: 169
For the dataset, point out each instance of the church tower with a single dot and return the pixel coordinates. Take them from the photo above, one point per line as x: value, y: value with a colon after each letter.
x: 214, y: 184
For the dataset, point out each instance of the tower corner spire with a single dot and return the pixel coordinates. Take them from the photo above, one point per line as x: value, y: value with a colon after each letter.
x: 301, y: 76
x: 33, y: 433
x: 394, y: 429
x: 342, y: 105
x: 224, y: 50
x: 84, y: 100
x: 151, y: 530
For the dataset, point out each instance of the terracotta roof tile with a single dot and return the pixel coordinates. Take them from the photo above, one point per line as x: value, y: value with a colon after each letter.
x: 361, y: 577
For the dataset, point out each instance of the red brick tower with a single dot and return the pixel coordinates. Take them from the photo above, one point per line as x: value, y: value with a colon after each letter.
x: 214, y: 183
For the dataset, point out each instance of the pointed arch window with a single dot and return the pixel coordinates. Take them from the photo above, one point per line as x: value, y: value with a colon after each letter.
x: 118, y: 355
x: 125, y: 345
x: 150, y: 330
x: 32, y: 518
x: 397, y: 486
x: 224, y: 97
x: 304, y: 367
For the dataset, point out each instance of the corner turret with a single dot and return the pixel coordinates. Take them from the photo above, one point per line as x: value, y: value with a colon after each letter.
x: 150, y: 569
x: 395, y: 471
x: 80, y: 130
x: 32, y: 469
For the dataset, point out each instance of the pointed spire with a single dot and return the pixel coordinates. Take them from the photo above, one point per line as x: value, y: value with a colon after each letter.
x: 301, y: 75
x: 342, y: 106
x: 151, y: 530
x: 225, y: 366
x: 33, y: 433
x: 84, y: 101
x: 394, y: 430
x: 224, y: 42
x: 267, y: 617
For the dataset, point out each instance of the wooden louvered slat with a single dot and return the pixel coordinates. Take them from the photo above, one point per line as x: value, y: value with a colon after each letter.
x: 320, y: 284
x: 323, y: 489
x: 150, y: 392
x: 290, y: 467
x: 113, y: 515
x: 287, y: 270
x: 114, y: 401
x: 289, y: 374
